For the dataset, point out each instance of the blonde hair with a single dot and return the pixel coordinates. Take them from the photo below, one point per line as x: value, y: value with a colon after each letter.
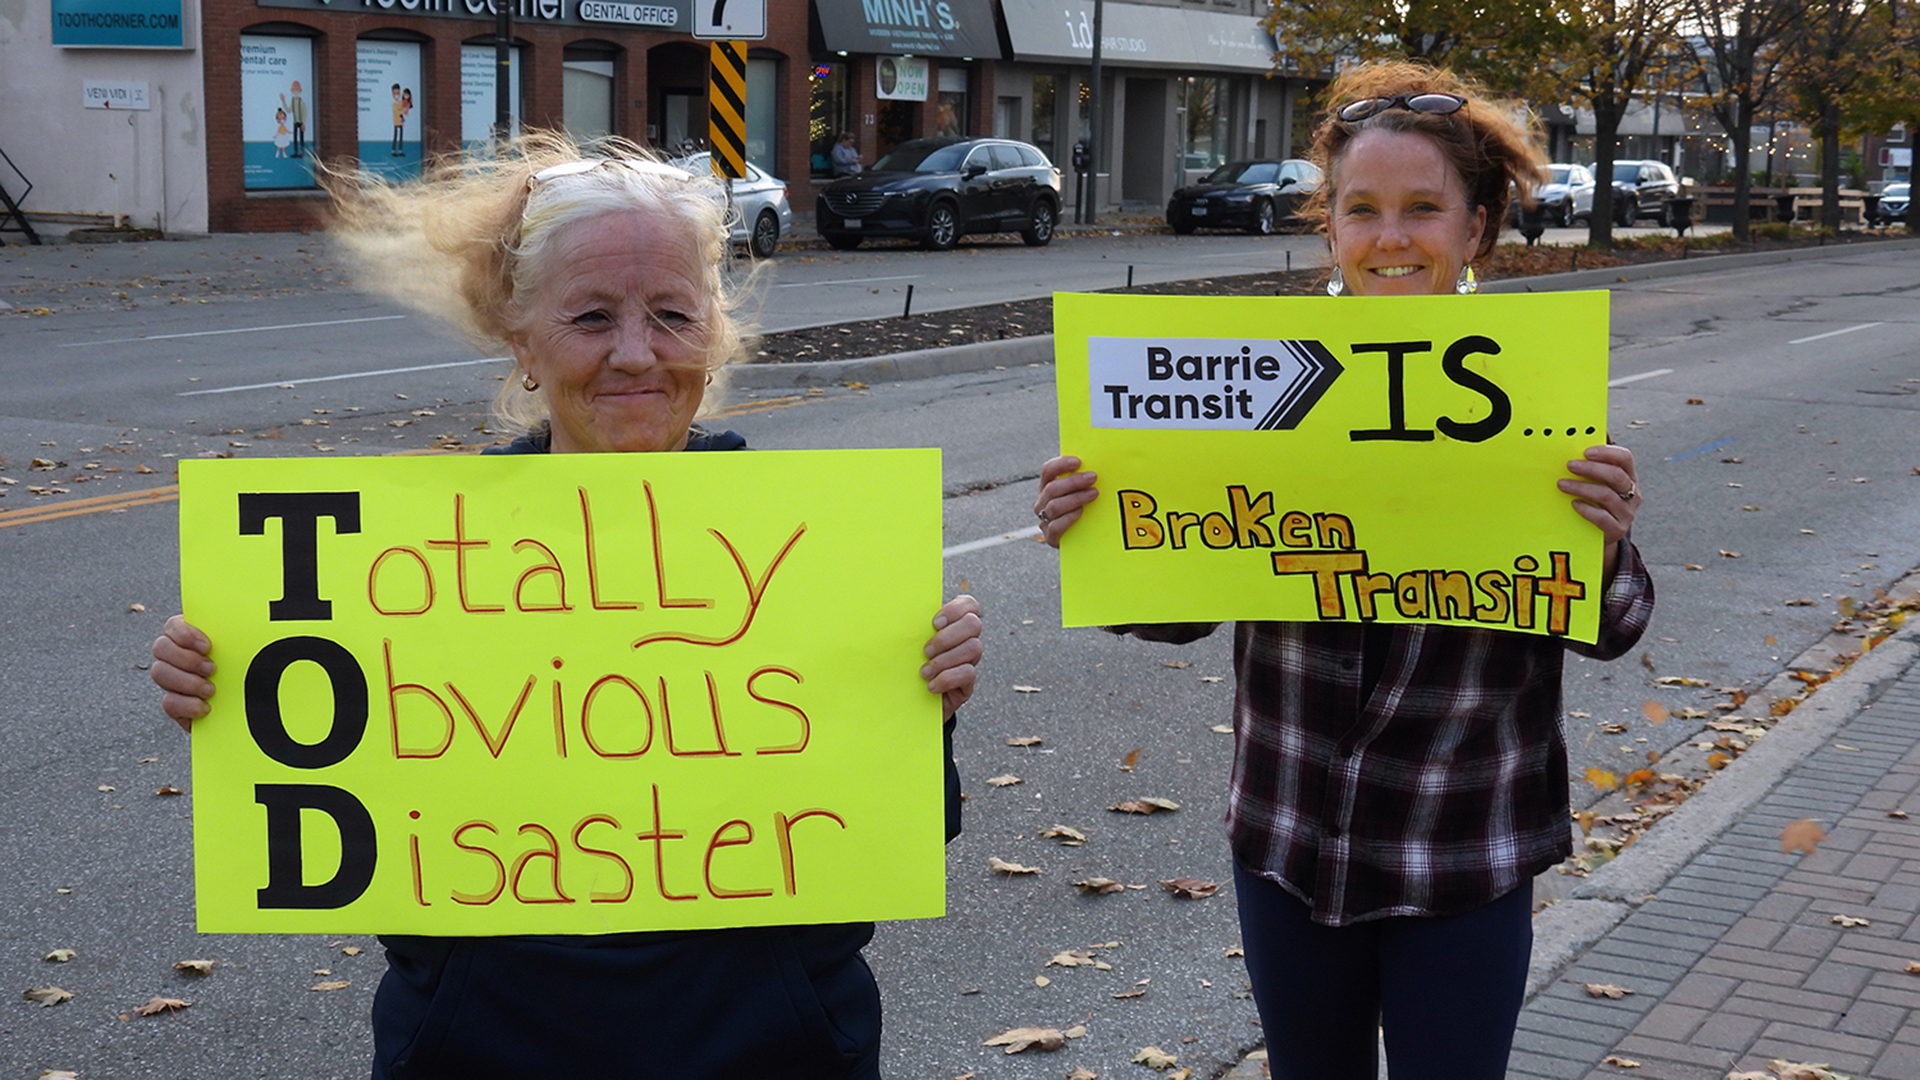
x: 1492, y: 152
x: 473, y: 238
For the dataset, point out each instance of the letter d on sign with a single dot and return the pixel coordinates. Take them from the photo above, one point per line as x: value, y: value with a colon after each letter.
x: 285, y: 870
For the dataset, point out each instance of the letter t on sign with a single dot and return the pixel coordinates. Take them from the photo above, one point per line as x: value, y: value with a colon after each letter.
x: 300, y: 513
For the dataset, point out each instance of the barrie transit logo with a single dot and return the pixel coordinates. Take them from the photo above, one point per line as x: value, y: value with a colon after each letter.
x: 1230, y: 384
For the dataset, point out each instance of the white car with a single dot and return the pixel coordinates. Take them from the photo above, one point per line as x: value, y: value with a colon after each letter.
x: 1567, y: 195
x: 760, y: 200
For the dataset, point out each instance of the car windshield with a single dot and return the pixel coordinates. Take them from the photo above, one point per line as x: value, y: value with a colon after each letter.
x: 1562, y: 174
x: 923, y: 157
x: 1625, y: 172
x: 1896, y: 191
x: 1244, y: 172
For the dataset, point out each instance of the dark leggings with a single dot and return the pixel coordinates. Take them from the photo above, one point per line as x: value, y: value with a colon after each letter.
x: 1447, y: 990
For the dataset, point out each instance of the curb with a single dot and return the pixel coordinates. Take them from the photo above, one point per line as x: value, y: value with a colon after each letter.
x: 1565, y: 931
x: 1038, y: 349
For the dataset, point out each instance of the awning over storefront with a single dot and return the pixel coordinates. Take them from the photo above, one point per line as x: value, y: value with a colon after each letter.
x: 961, y: 28
x: 1137, y: 35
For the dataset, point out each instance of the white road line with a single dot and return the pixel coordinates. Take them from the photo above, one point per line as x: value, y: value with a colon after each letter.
x: 1655, y: 373
x: 1835, y: 333
x: 242, y: 330
x: 991, y: 541
x: 849, y: 281
x: 335, y: 378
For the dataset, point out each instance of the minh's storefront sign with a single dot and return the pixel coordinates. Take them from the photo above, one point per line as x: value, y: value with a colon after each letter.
x: 958, y: 28
x: 673, y: 16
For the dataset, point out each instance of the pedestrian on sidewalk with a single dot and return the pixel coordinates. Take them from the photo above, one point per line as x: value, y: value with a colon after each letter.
x: 603, y: 277
x: 1396, y: 788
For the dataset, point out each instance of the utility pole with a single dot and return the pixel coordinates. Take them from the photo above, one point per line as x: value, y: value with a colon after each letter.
x: 502, y: 71
x: 1092, y: 204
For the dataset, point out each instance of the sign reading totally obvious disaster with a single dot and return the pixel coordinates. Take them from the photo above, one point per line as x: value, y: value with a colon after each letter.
x: 565, y: 694
x: 1351, y: 459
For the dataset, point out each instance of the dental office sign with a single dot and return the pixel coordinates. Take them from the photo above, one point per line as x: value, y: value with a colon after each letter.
x: 670, y: 15
x: 118, y: 24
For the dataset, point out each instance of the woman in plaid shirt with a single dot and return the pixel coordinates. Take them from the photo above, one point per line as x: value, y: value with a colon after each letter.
x: 1396, y: 787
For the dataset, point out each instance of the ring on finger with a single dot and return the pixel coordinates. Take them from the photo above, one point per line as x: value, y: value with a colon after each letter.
x: 1042, y: 515
x: 1632, y: 492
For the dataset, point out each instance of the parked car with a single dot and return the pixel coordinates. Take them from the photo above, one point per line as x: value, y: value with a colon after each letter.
x: 938, y: 190
x: 761, y: 198
x: 1252, y: 195
x: 1641, y: 189
x: 1566, y: 197
x: 1894, y: 199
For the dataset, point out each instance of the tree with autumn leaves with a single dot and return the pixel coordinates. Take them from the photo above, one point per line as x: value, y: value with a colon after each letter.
x: 1602, y: 54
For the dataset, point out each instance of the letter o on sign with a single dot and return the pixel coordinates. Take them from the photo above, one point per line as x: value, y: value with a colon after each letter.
x: 264, y: 722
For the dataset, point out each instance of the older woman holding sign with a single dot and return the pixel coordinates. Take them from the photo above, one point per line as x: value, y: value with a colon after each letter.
x: 604, y: 276
x: 1396, y: 787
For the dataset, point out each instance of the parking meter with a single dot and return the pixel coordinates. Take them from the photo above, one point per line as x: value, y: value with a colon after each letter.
x: 1081, y: 160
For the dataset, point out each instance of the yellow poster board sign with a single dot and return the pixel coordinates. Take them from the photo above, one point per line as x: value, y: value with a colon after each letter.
x: 572, y: 694
x: 1350, y: 459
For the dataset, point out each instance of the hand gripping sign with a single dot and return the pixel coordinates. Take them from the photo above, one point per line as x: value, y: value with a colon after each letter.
x: 1353, y: 459
x: 565, y: 694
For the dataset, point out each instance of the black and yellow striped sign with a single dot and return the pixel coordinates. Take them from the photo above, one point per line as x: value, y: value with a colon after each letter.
x: 727, y: 108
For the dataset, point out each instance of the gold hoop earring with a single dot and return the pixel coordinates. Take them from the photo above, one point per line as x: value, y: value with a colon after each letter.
x: 529, y: 383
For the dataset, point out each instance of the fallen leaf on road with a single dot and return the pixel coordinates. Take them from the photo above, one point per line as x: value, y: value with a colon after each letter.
x: 1190, y: 888
x: 1223, y: 729
x: 1144, y: 805
x: 1025, y: 740
x: 1067, y: 835
x: 1680, y: 680
x: 1235, y: 951
x: 58, y: 1074
x: 1602, y: 780
x: 338, y: 984
x: 1000, y: 865
x: 1897, y: 814
x: 1042, y: 980
x: 1023, y: 1038
x: 1795, y: 1070
x: 1803, y: 835
x: 1606, y: 990
x: 1003, y: 781
x: 1154, y: 1058
x: 1655, y: 712
x: 1026, y: 689
x: 48, y: 995
x: 352, y: 950
x: 1849, y: 921
x: 1617, y: 1060
x: 1129, y: 994
x: 41, y: 464
x: 1099, y: 886
x: 1133, y: 758
x: 156, y: 1006
x: 1083, y: 1074
x: 1176, y: 664
x: 193, y: 967
x: 1725, y: 554
x: 169, y: 791
x: 60, y: 956
x: 1718, y: 760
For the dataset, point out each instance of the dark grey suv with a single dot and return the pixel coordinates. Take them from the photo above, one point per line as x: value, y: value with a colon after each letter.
x: 938, y: 190
x: 1641, y: 189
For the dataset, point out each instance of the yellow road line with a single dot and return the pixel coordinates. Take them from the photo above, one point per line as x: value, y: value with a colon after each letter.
x: 99, y: 504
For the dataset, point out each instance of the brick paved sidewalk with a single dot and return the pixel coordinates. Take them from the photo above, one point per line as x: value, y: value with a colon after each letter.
x: 1736, y: 960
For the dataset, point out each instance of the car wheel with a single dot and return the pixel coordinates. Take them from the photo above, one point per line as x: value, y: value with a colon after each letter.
x: 1262, y: 224
x: 1181, y: 226
x: 766, y: 235
x: 1564, y: 216
x: 843, y: 242
x: 1626, y: 209
x: 1040, y: 224
x: 943, y: 227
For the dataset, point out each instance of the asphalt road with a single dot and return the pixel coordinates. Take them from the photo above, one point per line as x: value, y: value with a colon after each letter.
x: 1805, y: 373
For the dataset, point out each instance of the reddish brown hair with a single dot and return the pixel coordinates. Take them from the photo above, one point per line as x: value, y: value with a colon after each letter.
x: 1493, y: 146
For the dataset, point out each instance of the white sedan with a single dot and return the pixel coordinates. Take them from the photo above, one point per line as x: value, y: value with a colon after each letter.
x: 763, y: 214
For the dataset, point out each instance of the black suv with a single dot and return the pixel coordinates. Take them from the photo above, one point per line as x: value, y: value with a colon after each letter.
x: 936, y: 190
x: 1641, y: 189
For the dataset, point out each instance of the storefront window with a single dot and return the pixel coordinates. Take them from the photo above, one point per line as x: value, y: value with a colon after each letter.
x: 950, y: 111
x: 391, y: 101
x: 1042, y: 127
x: 279, y: 138
x: 587, y: 92
x: 826, y: 115
x: 763, y: 96
x: 478, y: 105
x: 1206, y: 129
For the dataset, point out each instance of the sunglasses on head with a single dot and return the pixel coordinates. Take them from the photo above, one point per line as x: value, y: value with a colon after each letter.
x: 574, y: 168
x: 1435, y: 104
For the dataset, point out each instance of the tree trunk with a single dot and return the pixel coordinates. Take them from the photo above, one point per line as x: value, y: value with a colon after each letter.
x: 1740, y: 134
x: 1606, y: 128
x: 1830, y: 165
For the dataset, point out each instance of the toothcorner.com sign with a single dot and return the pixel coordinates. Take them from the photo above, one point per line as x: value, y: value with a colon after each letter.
x: 119, y: 24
